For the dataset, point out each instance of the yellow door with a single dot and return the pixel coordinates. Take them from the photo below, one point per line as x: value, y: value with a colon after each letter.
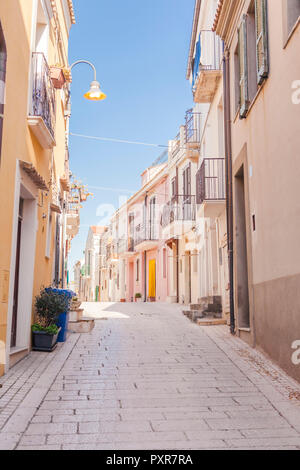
x: 152, y: 278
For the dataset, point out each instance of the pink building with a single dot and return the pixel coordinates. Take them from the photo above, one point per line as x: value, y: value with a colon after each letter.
x: 145, y: 258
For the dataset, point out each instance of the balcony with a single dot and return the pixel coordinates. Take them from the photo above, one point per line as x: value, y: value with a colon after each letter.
x: 146, y: 237
x: 210, y: 186
x: 41, y: 119
x: 192, y: 134
x: 126, y: 247
x: 65, y: 179
x: 207, y: 67
x: 175, y: 146
x: 55, y: 199
x: 187, y: 141
x: 73, y: 222
x: 178, y: 215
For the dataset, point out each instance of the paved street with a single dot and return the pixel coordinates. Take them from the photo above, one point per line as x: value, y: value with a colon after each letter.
x: 148, y: 378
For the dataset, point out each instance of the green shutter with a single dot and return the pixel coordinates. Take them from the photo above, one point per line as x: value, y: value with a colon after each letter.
x: 262, y: 53
x: 243, y: 61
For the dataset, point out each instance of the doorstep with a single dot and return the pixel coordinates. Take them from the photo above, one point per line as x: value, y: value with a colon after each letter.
x: 211, y: 321
x: 16, y: 354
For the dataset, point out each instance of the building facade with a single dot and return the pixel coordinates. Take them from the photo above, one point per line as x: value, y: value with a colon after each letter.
x: 34, y: 166
x: 262, y: 40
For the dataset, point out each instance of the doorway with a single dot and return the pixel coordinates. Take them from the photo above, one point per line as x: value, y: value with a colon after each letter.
x: 188, y: 278
x: 152, y: 280
x: 241, y: 252
x: 17, y: 273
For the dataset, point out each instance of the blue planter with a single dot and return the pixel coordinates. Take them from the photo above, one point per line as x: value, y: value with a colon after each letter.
x: 62, y: 322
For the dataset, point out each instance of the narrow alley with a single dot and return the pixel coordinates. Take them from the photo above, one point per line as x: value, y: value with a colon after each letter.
x: 148, y: 378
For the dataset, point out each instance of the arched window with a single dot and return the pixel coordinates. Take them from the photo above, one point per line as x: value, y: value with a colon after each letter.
x: 2, y: 81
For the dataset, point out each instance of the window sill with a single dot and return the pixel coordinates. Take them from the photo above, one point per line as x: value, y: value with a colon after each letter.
x: 291, y: 33
x: 248, y: 330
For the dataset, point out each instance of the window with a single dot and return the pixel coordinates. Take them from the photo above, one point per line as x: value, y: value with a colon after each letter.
x: 164, y: 263
x: 291, y: 14
x: 152, y: 219
x: 137, y: 269
x: 42, y: 29
x: 2, y: 81
x: 252, y: 67
x: 195, y: 262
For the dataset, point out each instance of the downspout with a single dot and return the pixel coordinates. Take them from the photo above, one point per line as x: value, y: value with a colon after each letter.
x: 228, y: 173
x: 145, y: 276
x: 177, y: 270
x: 145, y: 252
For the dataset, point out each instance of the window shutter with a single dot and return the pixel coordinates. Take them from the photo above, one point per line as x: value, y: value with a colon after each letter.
x: 244, y: 92
x: 262, y: 53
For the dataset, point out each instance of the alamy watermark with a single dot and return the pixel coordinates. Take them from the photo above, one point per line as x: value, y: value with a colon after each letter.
x: 296, y: 354
x: 296, y: 93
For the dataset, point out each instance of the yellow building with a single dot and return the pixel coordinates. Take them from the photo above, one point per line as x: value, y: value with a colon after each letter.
x: 34, y: 165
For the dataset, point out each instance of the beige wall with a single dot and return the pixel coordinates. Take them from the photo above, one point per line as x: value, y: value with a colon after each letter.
x: 19, y: 143
x: 267, y: 143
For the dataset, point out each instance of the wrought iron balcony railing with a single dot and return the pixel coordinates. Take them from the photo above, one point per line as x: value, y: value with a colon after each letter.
x: 146, y: 232
x: 125, y: 245
x: 192, y: 128
x: 43, y: 93
x: 179, y: 208
x: 210, y: 180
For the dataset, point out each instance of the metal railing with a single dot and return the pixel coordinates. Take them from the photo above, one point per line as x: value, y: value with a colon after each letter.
x: 175, y: 145
x: 43, y: 93
x: 180, y: 208
x: 210, y: 180
x: 209, y: 51
x: 192, y: 127
x: 146, y: 232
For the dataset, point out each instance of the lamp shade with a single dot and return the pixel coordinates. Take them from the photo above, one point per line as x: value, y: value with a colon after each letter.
x: 95, y: 93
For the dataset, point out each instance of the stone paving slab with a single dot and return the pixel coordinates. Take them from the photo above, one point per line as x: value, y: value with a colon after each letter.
x: 148, y: 378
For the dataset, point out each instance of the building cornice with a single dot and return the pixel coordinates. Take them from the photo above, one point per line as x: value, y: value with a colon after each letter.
x: 193, y: 37
x: 71, y: 9
x: 225, y: 16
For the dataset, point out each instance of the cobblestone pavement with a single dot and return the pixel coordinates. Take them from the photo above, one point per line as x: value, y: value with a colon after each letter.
x: 148, y: 378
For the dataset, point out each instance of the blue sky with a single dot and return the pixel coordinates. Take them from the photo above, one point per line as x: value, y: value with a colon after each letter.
x: 140, y: 50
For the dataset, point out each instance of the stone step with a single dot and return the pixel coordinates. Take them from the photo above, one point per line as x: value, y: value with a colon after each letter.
x: 76, y: 315
x: 212, y: 313
x: 84, y: 325
x: 211, y: 321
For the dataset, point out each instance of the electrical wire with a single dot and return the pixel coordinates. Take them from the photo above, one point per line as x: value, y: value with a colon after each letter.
x: 122, y: 141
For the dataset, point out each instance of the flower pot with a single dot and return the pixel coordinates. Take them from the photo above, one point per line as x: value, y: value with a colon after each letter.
x: 57, y: 77
x: 62, y: 322
x: 43, y: 341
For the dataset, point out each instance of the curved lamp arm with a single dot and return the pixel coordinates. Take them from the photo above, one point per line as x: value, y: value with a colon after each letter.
x: 81, y: 61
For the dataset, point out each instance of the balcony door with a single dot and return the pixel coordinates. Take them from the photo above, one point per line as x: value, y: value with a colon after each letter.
x: 187, y: 192
x: 152, y: 219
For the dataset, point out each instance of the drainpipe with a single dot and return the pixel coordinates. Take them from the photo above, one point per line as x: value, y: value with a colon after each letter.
x: 228, y: 173
x: 145, y: 276
x: 145, y: 252
x: 177, y: 270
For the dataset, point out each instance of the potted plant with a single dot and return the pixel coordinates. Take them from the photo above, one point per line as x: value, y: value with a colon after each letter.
x: 63, y: 317
x: 138, y: 297
x: 48, y: 306
x: 57, y: 76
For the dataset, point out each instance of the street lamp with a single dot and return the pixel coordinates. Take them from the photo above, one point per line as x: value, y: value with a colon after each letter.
x: 94, y: 93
